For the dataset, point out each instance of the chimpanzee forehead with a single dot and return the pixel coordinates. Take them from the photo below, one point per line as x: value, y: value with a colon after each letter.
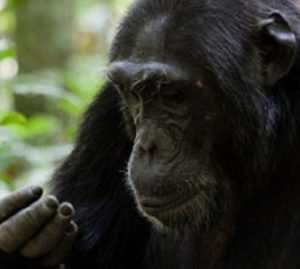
x: 167, y: 38
x: 193, y: 35
x: 151, y: 39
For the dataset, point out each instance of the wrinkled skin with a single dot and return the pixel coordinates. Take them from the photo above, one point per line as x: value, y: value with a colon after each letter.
x: 38, y: 230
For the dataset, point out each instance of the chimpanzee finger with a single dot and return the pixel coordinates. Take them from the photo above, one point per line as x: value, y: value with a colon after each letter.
x: 60, y: 252
x: 19, y: 228
x: 18, y: 200
x: 50, y: 236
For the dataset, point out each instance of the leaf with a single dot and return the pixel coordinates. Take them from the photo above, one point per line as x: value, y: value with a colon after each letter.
x: 7, y: 52
x: 7, y: 118
x: 35, y: 126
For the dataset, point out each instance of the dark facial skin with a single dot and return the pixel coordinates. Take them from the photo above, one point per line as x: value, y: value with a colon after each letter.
x: 169, y: 179
x: 173, y: 120
x: 182, y: 124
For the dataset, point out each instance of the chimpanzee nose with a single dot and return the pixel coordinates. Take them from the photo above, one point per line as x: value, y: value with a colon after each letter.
x: 153, y: 142
x: 148, y: 147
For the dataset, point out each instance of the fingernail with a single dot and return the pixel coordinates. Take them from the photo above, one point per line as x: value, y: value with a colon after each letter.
x: 37, y: 191
x: 66, y: 209
x: 51, y: 202
x: 72, y: 228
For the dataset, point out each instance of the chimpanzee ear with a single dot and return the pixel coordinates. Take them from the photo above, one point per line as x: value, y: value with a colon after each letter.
x: 279, y: 47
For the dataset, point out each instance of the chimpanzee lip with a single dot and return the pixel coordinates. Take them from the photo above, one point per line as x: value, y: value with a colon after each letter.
x: 155, y: 205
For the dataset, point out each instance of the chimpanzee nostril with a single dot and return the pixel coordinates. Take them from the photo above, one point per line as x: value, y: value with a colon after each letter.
x: 151, y: 141
x: 148, y: 147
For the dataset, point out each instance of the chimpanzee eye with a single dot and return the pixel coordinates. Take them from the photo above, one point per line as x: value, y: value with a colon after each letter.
x: 119, y: 88
x: 135, y: 96
x: 172, y: 93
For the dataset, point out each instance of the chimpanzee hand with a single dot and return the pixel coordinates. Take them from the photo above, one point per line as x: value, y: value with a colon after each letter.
x: 38, y: 229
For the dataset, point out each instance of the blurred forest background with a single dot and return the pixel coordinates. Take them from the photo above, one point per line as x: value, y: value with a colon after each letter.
x: 53, y: 55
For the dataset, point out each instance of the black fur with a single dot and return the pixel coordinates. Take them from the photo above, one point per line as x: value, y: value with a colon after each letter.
x: 261, y: 159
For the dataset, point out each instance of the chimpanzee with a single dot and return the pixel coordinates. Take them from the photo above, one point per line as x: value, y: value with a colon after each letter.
x: 189, y: 158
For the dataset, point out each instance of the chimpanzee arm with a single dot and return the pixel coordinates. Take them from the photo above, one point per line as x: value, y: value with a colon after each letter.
x: 92, y: 179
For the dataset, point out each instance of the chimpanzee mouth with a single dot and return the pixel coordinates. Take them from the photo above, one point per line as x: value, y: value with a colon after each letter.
x: 156, y: 205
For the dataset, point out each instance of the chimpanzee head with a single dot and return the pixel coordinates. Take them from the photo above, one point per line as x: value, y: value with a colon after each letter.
x: 199, y: 84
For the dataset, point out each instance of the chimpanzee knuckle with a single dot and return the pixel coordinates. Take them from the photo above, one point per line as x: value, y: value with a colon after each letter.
x: 59, y: 253
x: 51, y: 203
x: 19, y: 228
x: 18, y: 200
x: 7, y: 242
x: 15, y: 231
x: 72, y: 231
x: 48, y: 238
x: 40, y: 211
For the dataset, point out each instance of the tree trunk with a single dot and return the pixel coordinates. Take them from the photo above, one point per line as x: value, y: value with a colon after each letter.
x: 44, y: 33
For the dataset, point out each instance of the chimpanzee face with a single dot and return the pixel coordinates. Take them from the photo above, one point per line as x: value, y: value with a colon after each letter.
x: 194, y: 99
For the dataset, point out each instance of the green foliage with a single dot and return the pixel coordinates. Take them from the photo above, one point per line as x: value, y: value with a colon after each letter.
x: 83, y: 81
x: 10, y: 4
x: 11, y: 117
x: 34, y: 141
x: 7, y: 17
x: 23, y: 136
x: 7, y: 52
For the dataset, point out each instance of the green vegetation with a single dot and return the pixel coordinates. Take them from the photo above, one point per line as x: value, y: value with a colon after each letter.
x: 48, y: 75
